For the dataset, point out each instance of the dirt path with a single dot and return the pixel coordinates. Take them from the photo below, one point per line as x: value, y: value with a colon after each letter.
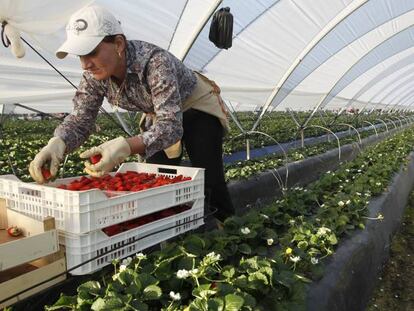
x: 395, y: 291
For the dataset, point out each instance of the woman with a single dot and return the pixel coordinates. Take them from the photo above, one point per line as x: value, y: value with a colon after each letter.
x: 179, y: 105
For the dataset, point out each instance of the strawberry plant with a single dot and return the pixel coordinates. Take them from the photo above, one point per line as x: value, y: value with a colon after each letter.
x: 259, y: 261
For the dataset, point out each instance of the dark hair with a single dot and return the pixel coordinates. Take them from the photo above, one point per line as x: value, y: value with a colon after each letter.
x: 111, y: 38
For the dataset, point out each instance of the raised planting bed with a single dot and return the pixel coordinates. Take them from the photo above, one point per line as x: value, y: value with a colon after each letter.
x: 262, y: 188
x: 352, y: 272
x: 264, y: 260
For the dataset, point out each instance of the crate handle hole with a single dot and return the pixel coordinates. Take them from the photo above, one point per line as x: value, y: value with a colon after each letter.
x: 164, y: 170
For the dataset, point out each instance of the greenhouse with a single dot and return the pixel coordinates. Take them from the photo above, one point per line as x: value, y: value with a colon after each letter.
x: 207, y: 155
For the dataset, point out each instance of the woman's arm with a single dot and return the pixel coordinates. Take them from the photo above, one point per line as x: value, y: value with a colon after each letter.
x: 80, y: 123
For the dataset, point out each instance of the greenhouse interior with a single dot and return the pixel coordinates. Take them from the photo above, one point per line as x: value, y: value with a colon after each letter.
x: 210, y: 155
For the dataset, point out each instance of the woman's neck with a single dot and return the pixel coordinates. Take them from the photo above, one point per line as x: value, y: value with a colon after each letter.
x: 120, y: 73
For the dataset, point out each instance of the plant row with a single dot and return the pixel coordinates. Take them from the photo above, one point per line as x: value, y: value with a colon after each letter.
x: 260, y: 261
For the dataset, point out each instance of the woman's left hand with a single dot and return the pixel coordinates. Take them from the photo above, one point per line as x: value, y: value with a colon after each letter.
x: 113, y: 153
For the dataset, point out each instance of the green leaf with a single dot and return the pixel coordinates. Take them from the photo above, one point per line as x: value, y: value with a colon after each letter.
x: 231, y: 249
x: 285, y: 278
x: 261, y: 250
x: 241, y: 282
x: 258, y: 280
x: 250, y: 263
x: 132, y: 289
x: 303, y: 245
x: 63, y: 302
x: 85, y: 298
x: 245, y: 249
x: 138, y: 305
x: 194, y: 244
x: 126, y: 277
x: 147, y: 279
x: 343, y: 220
x: 233, y: 302
x: 249, y: 300
x: 152, y: 292
x: 90, y: 287
x: 232, y: 223
x: 303, y: 278
x: 116, y: 287
x: 215, y: 304
x: 332, y: 239
x: 203, y: 291
x: 269, y: 234
x: 107, y: 304
x: 228, y: 272
x: 198, y: 305
x: 225, y: 288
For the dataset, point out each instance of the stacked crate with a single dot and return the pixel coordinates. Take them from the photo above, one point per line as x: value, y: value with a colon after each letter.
x: 82, y: 216
x: 30, y: 262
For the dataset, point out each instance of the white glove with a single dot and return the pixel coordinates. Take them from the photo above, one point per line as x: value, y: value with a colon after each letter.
x: 113, y: 152
x: 53, y: 152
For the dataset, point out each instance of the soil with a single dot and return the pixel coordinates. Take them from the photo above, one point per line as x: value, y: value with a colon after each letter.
x: 395, y: 290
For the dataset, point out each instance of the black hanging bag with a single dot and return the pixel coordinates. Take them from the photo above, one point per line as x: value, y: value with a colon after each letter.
x: 221, y: 29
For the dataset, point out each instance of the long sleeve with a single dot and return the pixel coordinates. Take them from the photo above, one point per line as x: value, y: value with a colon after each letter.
x: 79, y: 124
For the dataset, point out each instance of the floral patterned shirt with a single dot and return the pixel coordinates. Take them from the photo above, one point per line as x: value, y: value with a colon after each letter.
x: 157, y: 83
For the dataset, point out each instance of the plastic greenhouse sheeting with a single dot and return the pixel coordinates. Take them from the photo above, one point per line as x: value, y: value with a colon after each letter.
x: 296, y: 54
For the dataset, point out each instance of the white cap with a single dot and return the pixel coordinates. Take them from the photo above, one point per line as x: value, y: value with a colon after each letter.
x: 86, y: 29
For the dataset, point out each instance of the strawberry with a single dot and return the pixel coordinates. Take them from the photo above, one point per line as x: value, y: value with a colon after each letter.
x: 46, y: 173
x: 14, y: 231
x: 95, y: 158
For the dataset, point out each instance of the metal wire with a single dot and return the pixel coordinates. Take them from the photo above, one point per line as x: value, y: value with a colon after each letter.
x: 4, y: 39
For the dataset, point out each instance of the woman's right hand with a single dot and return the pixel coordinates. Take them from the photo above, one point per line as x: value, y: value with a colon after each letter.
x: 52, y: 153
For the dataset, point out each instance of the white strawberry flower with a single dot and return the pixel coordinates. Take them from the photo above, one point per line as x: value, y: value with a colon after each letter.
x: 140, y: 256
x: 175, y: 296
x: 294, y: 259
x: 183, y: 274
x: 245, y: 230
x: 126, y: 261
x: 269, y: 241
x: 323, y: 231
x: 213, y: 256
x: 341, y: 203
x: 314, y: 260
x: 264, y: 216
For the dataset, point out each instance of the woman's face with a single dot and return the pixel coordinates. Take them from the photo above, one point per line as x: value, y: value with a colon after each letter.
x: 104, y: 61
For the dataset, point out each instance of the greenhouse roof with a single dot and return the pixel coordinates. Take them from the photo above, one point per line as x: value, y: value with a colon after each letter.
x: 302, y: 55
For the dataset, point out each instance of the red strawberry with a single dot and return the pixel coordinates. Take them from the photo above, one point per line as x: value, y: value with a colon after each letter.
x: 14, y: 231
x: 95, y: 158
x: 46, y: 173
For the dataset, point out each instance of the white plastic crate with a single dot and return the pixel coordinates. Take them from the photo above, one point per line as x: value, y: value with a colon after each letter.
x: 81, y: 248
x: 85, y: 211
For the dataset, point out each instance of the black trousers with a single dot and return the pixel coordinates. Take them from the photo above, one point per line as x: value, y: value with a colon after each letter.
x: 203, y: 140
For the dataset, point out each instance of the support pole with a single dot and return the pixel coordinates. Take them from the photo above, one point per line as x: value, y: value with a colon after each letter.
x: 247, y: 149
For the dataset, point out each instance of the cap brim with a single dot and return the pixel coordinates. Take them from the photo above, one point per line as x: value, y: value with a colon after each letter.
x: 78, y: 46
